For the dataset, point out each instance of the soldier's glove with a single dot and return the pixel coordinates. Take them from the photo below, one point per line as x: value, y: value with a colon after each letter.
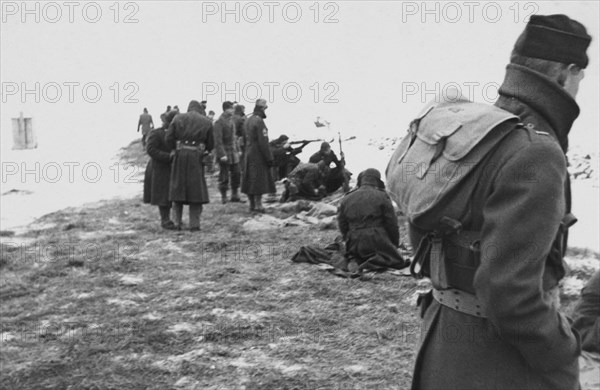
x: 224, y: 159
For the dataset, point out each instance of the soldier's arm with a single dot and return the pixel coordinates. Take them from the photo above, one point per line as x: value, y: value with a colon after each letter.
x: 210, y: 139
x: 335, y: 159
x: 170, y: 138
x: 390, y: 221
x: 315, y: 158
x: 151, y: 123
x: 263, y: 141
x: 521, y: 219
x: 342, y: 220
x: 218, y: 139
x: 152, y: 148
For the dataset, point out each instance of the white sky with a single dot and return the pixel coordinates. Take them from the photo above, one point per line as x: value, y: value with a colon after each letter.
x: 374, y: 51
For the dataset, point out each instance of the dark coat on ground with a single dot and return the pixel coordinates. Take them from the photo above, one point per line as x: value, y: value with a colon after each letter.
x: 368, y: 223
x: 193, y: 130
x: 517, y: 204
x: 587, y: 315
x: 258, y: 178
x: 158, y: 170
x: 225, y: 140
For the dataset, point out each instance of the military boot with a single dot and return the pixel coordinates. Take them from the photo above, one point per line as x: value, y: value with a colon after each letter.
x: 224, y: 196
x: 258, y: 201
x: 235, y: 197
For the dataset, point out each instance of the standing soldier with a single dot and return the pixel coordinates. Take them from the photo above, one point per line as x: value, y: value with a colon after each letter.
x: 227, y: 154
x: 158, y: 171
x: 146, y: 122
x: 490, y: 232
x: 258, y: 179
x: 191, y: 136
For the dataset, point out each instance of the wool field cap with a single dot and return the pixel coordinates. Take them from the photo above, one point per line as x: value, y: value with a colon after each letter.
x: 554, y: 38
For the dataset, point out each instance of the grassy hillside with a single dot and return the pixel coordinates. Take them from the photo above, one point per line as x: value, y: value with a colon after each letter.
x: 100, y: 297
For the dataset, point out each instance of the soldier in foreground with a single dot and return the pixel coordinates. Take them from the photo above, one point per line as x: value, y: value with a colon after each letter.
x: 257, y: 179
x: 190, y: 135
x: 491, y: 235
x: 368, y: 223
x: 227, y: 154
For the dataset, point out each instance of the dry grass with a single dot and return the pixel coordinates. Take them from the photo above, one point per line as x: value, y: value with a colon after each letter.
x: 102, y: 298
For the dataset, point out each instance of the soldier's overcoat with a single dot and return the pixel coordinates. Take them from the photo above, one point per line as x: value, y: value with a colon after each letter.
x: 191, y: 135
x: 517, y: 201
x: 258, y: 178
x: 158, y: 170
x: 368, y: 223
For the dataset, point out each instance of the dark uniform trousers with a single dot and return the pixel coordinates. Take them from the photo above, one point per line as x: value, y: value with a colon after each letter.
x: 225, y: 171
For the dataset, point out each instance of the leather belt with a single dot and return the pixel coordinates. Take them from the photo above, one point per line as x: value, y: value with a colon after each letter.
x: 188, y: 147
x: 469, y: 304
x: 460, y: 301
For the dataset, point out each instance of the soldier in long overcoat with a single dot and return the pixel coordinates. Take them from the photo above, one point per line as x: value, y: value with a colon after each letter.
x: 227, y: 153
x: 158, y: 171
x: 368, y: 223
x: 509, y: 334
x: 257, y: 179
x: 190, y: 135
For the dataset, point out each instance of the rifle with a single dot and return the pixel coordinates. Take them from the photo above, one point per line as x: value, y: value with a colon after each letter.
x: 305, y: 141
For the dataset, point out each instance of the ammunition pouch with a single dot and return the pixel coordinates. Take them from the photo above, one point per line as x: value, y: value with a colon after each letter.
x: 449, y: 259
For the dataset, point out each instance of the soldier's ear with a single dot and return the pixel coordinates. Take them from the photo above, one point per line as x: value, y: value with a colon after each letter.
x: 573, y: 75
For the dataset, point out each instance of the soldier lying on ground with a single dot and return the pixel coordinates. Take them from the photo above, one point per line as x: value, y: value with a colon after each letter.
x: 305, y: 181
x: 368, y: 223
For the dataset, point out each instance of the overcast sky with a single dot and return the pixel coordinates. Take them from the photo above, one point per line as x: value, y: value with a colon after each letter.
x: 367, y: 71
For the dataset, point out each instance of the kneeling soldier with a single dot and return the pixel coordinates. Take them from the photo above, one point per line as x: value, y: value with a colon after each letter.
x: 368, y: 223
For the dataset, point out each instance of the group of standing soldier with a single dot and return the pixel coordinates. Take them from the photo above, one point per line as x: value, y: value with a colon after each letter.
x: 178, y: 149
x: 241, y: 148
